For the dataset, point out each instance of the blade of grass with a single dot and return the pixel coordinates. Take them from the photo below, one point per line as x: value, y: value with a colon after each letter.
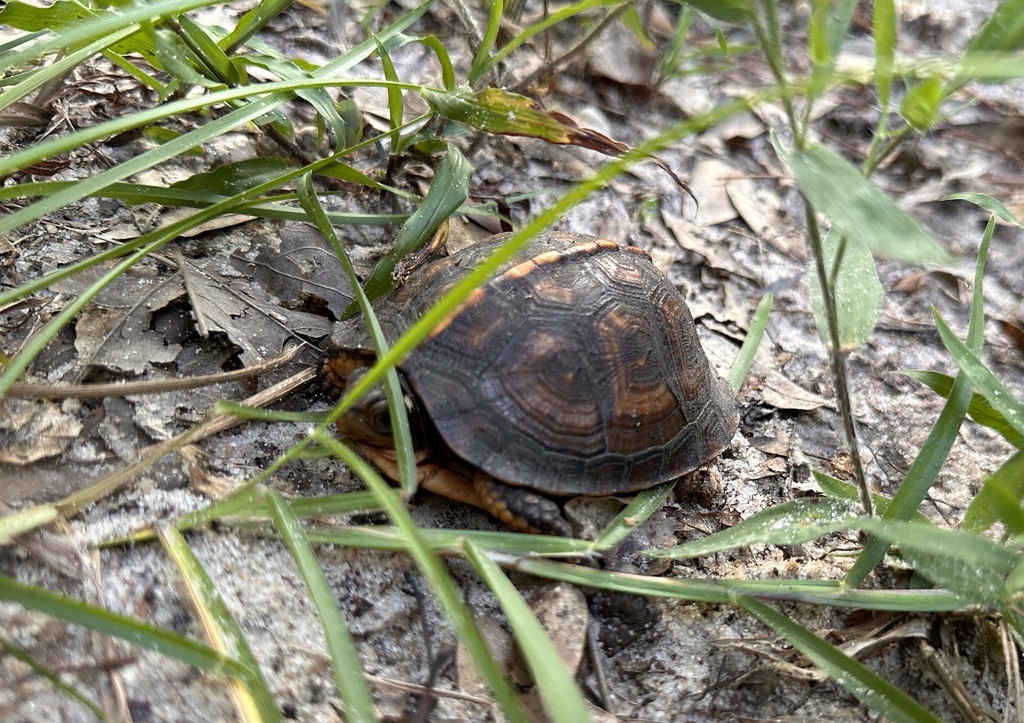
x: 43, y: 671
x: 995, y: 393
x: 32, y: 82
x: 252, y: 696
x: 979, y: 409
x: 550, y: 20
x: 437, y: 576
x: 348, y: 671
x: 791, y: 523
x: 929, y: 460
x: 278, y: 93
x: 819, y: 592
x: 866, y: 685
x: 392, y: 387
x: 477, y: 69
x: 1000, y: 498
x: 448, y: 191
x: 559, y: 692
x: 643, y: 505
x: 132, y: 630
x: 104, y: 26
x: 741, y: 366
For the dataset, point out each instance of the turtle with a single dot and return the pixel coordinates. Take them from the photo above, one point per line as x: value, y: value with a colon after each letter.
x: 576, y: 370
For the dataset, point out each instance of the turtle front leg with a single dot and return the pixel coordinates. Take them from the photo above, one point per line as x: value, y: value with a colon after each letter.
x: 519, y: 508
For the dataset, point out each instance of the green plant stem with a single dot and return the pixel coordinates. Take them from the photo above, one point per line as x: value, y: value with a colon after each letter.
x: 876, y: 157
x: 837, y: 360
x: 767, y: 29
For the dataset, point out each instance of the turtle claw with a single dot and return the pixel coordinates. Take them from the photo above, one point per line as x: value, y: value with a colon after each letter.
x: 519, y: 508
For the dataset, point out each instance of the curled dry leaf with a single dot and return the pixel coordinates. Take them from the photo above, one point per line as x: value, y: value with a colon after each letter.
x: 509, y: 114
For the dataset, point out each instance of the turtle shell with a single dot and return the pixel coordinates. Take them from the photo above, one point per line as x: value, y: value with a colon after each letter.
x: 576, y: 370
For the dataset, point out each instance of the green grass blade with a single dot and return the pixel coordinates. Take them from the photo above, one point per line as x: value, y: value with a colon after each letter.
x: 997, y: 395
x: 818, y: 592
x: 562, y: 699
x: 253, y: 696
x: 979, y: 409
x: 43, y: 671
x: 972, y: 566
x: 252, y: 22
x: 855, y: 288
x: 551, y: 19
x: 103, y: 26
x: 741, y: 366
x: 348, y: 672
x: 989, y: 204
x: 999, y: 499
x: 379, y: 537
x: 1003, y: 31
x: 883, y: 22
x: 396, y: 104
x: 26, y: 520
x: 791, y: 523
x: 858, y: 209
x: 448, y: 191
x: 480, y: 63
x: 392, y: 387
x: 643, y: 505
x: 57, y: 69
x: 844, y: 490
x: 925, y: 467
x: 866, y: 685
x: 134, y: 631
x: 437, y: 576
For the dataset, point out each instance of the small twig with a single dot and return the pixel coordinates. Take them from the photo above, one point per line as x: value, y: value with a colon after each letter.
x: 22, y: 390
x: 547, y: 69
x: 215, y: 424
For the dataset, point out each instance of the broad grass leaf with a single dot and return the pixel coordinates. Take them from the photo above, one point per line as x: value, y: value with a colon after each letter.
x: 920, y: 106
x: 999, y: 499
x: 857, y: 209
x: 1002, y: 32
x: 973, y: 566
x: 856, y: 292
x: 790, y: 523
x: 728, y: 11
x: 980, y: 410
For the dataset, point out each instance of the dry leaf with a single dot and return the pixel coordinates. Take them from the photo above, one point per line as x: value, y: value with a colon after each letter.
x: 31, y: 431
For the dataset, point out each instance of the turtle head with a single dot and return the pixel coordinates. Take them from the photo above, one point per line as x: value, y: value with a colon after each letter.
x: 369, y: 422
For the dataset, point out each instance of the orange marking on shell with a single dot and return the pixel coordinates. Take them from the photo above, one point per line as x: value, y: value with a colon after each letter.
x: 587, y: 248
x: 473, y: 298
x: 637, y: 251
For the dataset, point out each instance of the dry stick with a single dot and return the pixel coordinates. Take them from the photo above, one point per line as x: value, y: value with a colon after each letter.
x: 215, y: 424
x: 549, y: 68
x: 21, y: 390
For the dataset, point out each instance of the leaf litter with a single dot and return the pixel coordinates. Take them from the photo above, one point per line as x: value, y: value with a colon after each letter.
x: 251, y: 296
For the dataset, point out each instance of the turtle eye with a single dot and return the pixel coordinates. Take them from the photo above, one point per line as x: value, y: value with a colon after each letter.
x: 377, y: 417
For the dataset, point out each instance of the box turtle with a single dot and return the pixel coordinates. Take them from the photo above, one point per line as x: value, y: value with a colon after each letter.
x: 575, y: 371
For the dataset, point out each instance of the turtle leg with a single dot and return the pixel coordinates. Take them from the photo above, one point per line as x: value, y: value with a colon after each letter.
x: 519, y: 508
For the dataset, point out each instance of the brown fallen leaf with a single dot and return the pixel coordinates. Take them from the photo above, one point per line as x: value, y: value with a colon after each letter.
x: 31, y: 431
x: 1014, y: 332
x: 951, y: 283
